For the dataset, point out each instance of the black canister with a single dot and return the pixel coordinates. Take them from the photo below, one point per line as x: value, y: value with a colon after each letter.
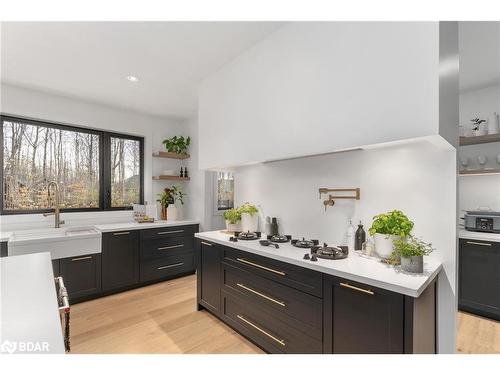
x: 359, y: 238
x: 274, y: 227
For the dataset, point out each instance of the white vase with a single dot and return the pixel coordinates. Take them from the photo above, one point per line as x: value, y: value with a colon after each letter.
x: 172, y: 212
x: 249, y: 223
x: 493, y: 125
x: 483, y: 129
x: 233, y: 227
x: 384, y: 244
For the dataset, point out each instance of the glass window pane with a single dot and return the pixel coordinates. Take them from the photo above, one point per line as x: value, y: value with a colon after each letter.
x: 125, y: 172
x: 225, y: 191
x: 34, y: 155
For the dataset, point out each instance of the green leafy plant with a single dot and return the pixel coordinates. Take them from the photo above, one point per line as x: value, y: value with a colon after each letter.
x: 232, y: 215
x: 411, y: 247
x: 391, y: 223
x: 171, y: 195
x: 176, y: 144
x: 247, y: 208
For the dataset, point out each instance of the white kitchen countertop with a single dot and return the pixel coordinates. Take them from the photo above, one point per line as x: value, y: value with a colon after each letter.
x: 29, y: 304
x: 363, y: 269
x: 495, y: 237
x: 4, y: 236
x: 134, y: 225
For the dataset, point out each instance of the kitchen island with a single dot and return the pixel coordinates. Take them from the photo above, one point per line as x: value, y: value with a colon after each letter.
x: 286, y: 304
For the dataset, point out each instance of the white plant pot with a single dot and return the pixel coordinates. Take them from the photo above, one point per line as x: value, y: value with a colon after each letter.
x: 493, y: 124
x: 172, y: 212
x: 483, y: 129
x: 233, y: 227
x: 249, y: 223
x: 384, y: 244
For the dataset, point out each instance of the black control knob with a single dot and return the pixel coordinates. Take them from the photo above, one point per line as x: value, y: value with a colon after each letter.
x: 306, y: 256
x: 314, y: 258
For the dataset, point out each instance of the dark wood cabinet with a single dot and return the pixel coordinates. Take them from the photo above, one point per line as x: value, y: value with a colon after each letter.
x: 82, y: 276
x: 209, y: 274
x: 479, y: 277
x: 3, y: 249
x: 120, y: 259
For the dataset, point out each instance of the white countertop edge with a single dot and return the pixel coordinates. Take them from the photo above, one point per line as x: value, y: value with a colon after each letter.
x: 330, y: 271
x: 483, y: 236
x: 104, y: 228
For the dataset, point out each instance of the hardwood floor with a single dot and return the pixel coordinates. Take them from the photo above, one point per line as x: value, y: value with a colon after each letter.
x: 162, y: 318
x: 477, y: 335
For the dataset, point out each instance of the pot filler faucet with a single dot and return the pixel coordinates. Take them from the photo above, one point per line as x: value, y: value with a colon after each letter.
x: 55, y: 203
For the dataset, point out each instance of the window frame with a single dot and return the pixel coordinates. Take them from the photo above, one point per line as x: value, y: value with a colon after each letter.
x: 215, y: 195
x: 104, y: 164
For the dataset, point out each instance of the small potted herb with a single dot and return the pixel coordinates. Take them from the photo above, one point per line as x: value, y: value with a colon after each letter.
x: 411, y: 252
x: 233, y: 219
x: 168, y: 199
x: 478, y: 128
x: 249, y: 217
x: 178, y: 145
x: 387, y: 228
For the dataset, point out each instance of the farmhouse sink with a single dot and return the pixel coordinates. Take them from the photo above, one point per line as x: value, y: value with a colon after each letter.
x: 59, y: 242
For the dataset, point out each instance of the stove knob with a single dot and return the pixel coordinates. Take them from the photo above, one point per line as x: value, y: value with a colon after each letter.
x: 306, y: 256
x: 314, y: 258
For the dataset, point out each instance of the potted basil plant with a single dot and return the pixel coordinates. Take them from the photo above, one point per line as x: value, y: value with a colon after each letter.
x: 249, y: 218
x: 233, y: 220
x: 411, y: 253
x: 387, y: 228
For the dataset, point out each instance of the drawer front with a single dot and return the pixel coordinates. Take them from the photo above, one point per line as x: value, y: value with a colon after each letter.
x: 161, y: 248
x: 299, y: 309
x: 168, y: 232
x: 296, y: 277
x: 264, y: 329
x: 166, y: 267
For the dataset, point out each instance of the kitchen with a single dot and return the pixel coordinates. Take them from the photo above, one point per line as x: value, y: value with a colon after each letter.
x: 135, y: 197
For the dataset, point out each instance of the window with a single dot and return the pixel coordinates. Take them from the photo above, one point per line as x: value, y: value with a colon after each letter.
x: 95, y: 170
x: 225, y: 191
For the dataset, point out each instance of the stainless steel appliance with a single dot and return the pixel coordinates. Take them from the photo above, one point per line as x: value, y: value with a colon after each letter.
x: 482, y: 221
x: 64, y: 310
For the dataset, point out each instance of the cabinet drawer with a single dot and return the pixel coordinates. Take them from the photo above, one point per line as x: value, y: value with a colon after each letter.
x: 168, y: 232
x: 272, y: 334
x: 297, y: 308
x: 166, y: 267
x: 296, y: 277
x: 82, y: 275
x: 153, y: 249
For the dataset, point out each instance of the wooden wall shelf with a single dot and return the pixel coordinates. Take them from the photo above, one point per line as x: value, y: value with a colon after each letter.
x: 173, y: 178
x: 476, y: 140
x: 476, y: 172
x: 170, y: 155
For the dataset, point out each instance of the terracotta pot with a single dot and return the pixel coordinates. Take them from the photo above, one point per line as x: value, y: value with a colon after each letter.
x: 164, y: 212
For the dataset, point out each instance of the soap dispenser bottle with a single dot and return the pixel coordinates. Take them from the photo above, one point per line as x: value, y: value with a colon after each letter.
x: 350, y: 236
x: 360, y: 237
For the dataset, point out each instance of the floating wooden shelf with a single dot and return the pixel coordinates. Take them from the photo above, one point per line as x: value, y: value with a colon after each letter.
x: 170, y: 155
x: 174, y: 178
x: 476, y: 140
x: 485, y: 171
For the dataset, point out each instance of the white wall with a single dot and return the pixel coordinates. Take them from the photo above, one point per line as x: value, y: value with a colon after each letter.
x: 417, y: 178
x: 311, y: 88
x: 480, y: 191
x: 41, y: 105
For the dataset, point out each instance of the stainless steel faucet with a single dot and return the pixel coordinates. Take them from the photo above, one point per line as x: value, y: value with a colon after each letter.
x: 57, y: 210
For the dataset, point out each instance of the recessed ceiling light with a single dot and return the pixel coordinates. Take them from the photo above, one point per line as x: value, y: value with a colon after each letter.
x: 133, y: 78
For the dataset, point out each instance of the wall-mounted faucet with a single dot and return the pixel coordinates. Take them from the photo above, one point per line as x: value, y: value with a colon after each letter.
x: 331, y: 198
x: 55, y: 203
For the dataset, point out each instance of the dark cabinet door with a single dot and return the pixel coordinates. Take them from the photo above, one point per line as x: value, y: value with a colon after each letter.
x: 479, y: 277
x: 364, y: 320
x: 81, y: 275
x: 209, y: 269
x: 120, y: 259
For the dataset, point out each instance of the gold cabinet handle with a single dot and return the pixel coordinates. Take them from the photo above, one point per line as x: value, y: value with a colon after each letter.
x: 367, y: 291
x: 281, y: 303
x: 120, y: 233
x: 170, y: 247
x: 261, y: 267
x: 478, y: 243
x: 170, y: 266
x: 172, y: 231
x: 206, y: 243
x: 279, y: 341
x: 79, y: 259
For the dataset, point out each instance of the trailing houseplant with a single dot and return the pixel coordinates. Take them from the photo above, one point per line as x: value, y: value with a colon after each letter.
x: 387, y: 228
x: 178, y: 145
x: 233, y: 219
x: 249, y: 217
x: 411, y: 253
x: 169, y: 197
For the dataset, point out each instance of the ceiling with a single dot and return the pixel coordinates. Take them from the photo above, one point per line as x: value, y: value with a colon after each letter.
x: 479, y: 54
x: 91, y: 60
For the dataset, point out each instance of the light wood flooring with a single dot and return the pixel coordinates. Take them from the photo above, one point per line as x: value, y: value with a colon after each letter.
x: 162, y: 318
